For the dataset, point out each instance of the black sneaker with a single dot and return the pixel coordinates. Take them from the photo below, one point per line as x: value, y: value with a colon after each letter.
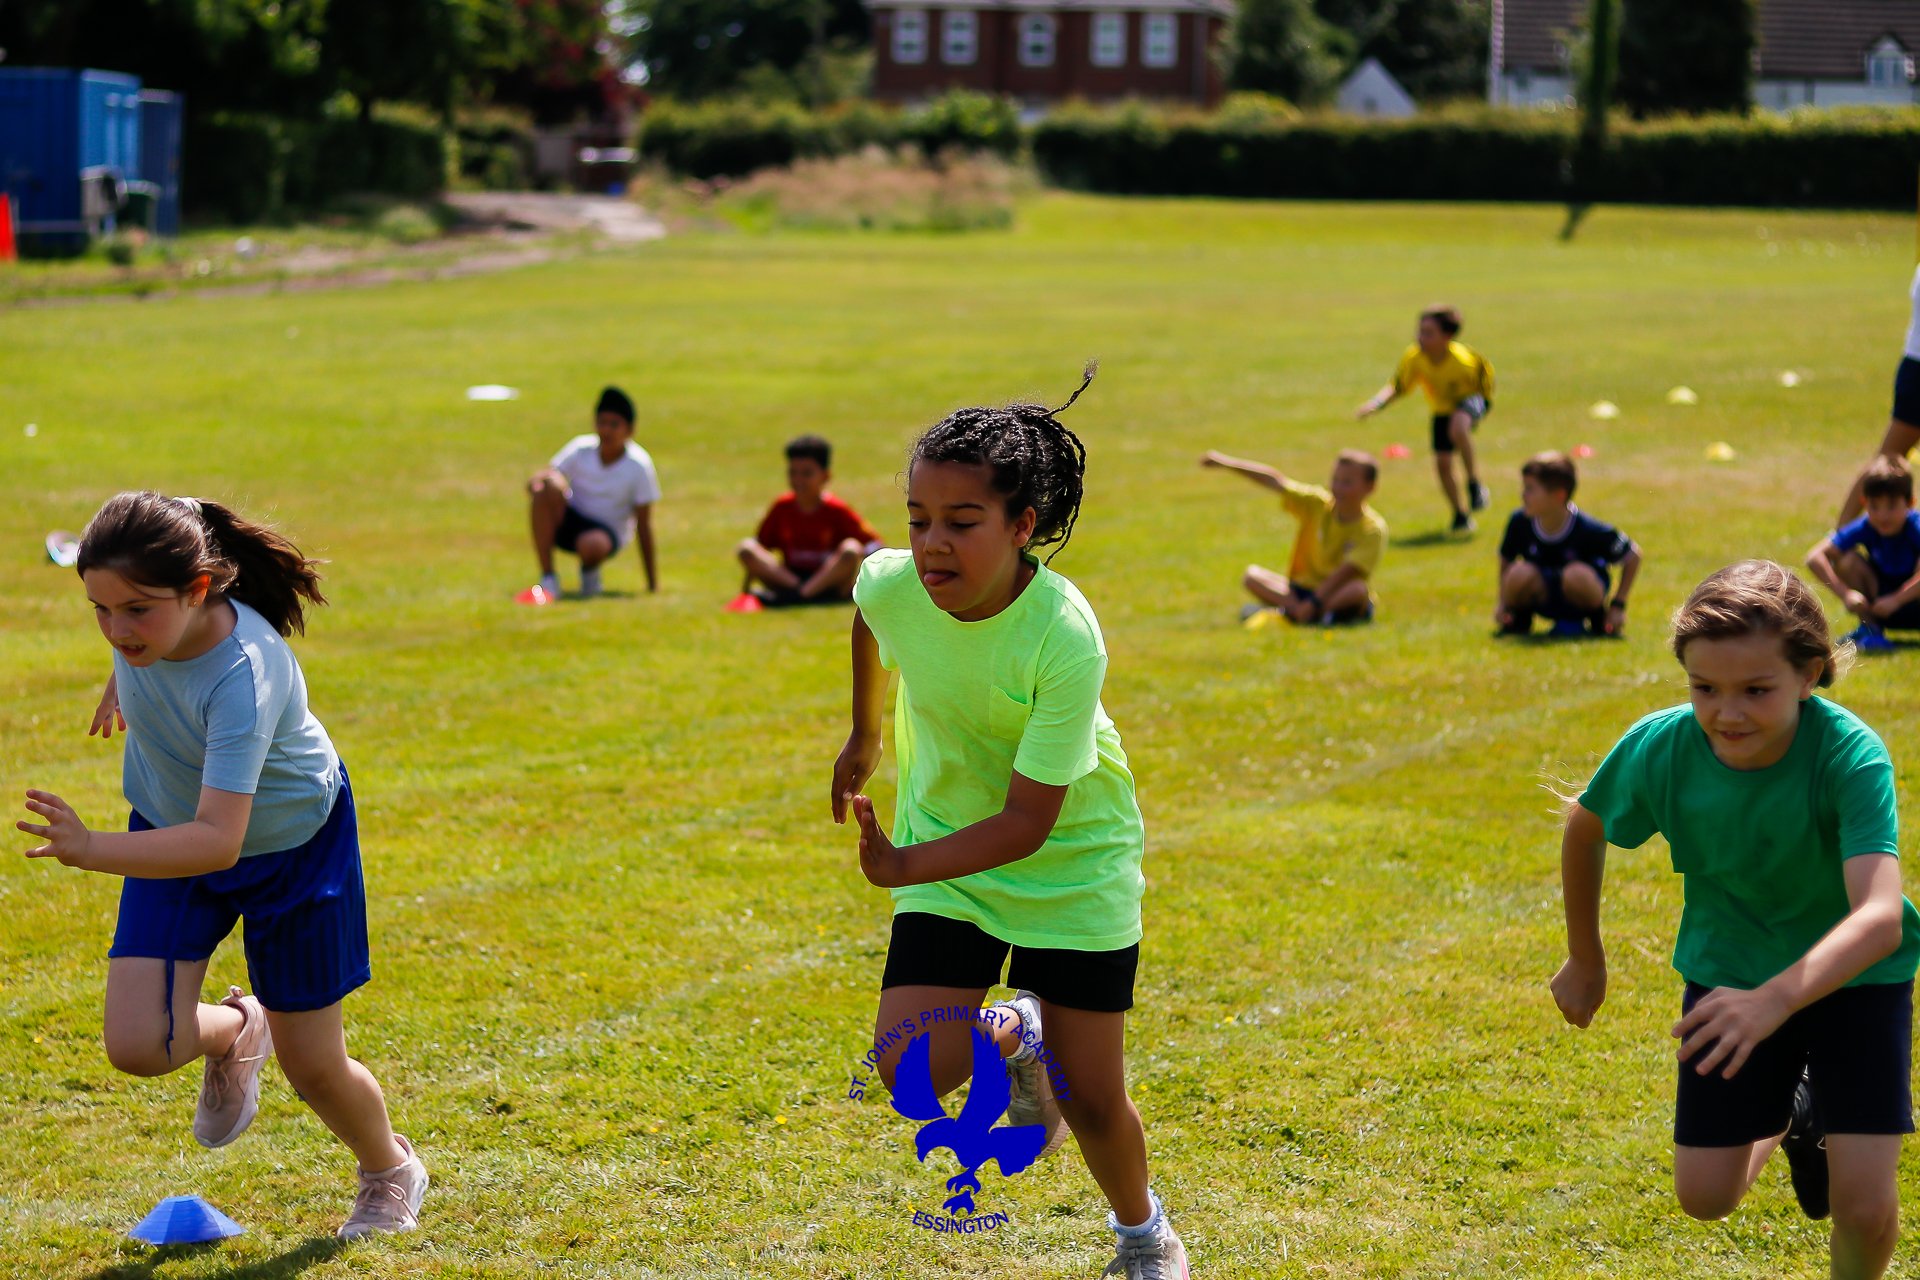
x: 1462, y: 522
x: 1806, y: 1148
x: 1518, y: 624
x: 1477, y: 495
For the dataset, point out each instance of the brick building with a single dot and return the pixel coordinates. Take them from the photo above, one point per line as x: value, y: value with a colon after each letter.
x: 1042, y: 51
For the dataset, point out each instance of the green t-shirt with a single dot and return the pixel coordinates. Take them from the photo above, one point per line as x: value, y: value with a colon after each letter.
x: 978, y: 700
x: 1761, y: 849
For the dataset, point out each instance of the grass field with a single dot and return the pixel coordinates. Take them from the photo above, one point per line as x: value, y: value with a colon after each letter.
x: 624, y: 962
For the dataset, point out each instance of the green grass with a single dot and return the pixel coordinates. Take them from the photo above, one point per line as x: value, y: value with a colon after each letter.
x: 623, y: 960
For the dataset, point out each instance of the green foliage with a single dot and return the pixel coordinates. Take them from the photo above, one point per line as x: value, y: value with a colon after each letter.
x: 247, y: 168
x: 1282, y: 47
x: 1695, y: 57
x: 732, y: 137
x: 696, y: 49
x: 1437, y: 49
x: 1862, y: 158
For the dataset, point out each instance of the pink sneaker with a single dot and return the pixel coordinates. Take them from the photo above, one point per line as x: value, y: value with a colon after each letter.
x: 230, y: 1088
x: 390, y: 1199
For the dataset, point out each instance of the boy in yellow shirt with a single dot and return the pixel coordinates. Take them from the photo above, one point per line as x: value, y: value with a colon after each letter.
x: 1459, y: 384
x: 1335, y: 552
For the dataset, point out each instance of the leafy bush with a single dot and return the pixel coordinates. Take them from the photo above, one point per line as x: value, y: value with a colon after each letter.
x: 248, y: 168
x: 735, y: 137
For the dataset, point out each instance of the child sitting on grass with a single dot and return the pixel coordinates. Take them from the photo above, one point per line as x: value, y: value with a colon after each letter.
x: 1335, y: 552
x: 1881, y: 587
x: 810, y: 543
x: 1554, y: 558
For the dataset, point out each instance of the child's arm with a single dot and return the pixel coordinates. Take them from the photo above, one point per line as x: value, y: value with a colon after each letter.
x: 1380, y: 400
x: 1869, y: 933
x: 1581, y: 985
x: 1617, y: 607
x: 1502, y: 616
x: 1894, y: 601
x: 107, y: 714
x: 1258, y: 472
x: 1821, y: 560
x: 643, y: 534
x: 211, y: 842
x: 861, y: 756
x: 1343, y: 573
x: 1016, y: 832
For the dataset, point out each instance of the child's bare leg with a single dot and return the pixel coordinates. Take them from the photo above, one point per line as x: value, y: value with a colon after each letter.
x: 764, y: 566
x: 136, y: 1017
x: 1710, y: 1182
x: 1522, y: 589
x: 1861, y: 1170
x: 1348, y: 598
x: 838, y: 573
x: 1460, y: 428
x: 1856, y: 572
x: 547, y: 505
x: 593, y: 547
x: 1443, y: 467
x: 1900, y: 437
x: 312, y: 1048
x: 1090, y: 1049
x: 1582, y: 588
x: 1267, y: 587
x: 951, y: 1053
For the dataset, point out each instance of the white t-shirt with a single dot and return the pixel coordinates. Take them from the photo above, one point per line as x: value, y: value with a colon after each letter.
x: 608, y: 493
x: 1913, y: 326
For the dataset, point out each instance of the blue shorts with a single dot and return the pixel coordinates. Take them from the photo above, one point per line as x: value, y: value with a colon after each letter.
x: 1906, y: 392
x: 305, y: 908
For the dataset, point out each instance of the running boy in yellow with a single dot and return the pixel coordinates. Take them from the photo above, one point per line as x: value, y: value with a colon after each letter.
x: 1459, y: 384
x: 1335, y: 552
x: 1016, y: 826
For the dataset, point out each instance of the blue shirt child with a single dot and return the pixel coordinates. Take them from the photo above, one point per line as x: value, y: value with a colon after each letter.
x: 1894, y: 558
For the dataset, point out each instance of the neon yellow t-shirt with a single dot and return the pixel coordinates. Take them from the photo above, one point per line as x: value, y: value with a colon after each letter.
x: 979, y: 700
x: 1464, y: 372
x: 1325, y: 542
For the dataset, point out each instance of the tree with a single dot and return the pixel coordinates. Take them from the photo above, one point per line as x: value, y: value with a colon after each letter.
x: 1436, y: 48
x: 1695, y: 57
x: 400, y: 50
x: 699, y: 48
x: 1283, y: 47
x: 1598, y: 72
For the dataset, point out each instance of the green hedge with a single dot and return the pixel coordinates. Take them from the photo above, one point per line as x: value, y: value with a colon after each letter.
x: 244, y: 168
x: 733, y: 138
x: 1851, y: 159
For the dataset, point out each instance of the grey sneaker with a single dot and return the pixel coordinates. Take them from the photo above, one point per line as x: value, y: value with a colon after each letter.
x: 550, y: 583
x: 230, y: 1087
x: 1158, y: 1255
x: 1477, y: 496
x: 590, y: 582
x: 1032, y: 1100
x: 390, y: 1199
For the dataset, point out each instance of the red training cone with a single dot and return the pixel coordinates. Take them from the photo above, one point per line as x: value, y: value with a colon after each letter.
x: 745, y: 602
x: 535, y: 595
x: 1398, y: 451
x: 8, y: 251
x: 1583, y: 451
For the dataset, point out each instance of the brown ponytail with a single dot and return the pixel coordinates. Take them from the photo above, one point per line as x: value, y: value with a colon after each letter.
x: 169, y: 542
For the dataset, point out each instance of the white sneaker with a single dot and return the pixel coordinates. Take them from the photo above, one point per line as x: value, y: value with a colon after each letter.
x: 550, y: 583
x: 230, y: 1087
x: 1157, y: 1255
x: 389, y: 1201
x: 1032, y: 1100
x: 590, y: 582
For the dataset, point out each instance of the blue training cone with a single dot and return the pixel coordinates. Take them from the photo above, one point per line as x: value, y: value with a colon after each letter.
x: 185, y: 1220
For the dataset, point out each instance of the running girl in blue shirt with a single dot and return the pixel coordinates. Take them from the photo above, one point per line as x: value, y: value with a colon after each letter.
x: 241, y: 810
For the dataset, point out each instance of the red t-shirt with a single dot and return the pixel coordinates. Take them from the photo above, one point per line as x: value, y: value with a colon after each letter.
x: 805, y: 539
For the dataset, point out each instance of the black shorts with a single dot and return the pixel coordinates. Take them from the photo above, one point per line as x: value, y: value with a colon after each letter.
x: 573, y: 524
x: 1475, y: 407
x: 1363, y: 614
x: 1555, y: 606
x: 927, y: 950
x: 1906, y: 392
x: 1857, y: 1048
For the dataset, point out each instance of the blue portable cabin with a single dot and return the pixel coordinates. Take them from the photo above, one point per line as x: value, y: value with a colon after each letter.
x: 161, y: 120
x: 69, y: 144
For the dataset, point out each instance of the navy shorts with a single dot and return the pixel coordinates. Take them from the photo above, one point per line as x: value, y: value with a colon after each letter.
x: 1856, y: 1047
x: 1906, y: 392
x: 1555, y: 606
x: 1362, y: 614
x: 927, y: 950
x: 1475, y: 407
x: 305, y: 911
x: 573, y: 524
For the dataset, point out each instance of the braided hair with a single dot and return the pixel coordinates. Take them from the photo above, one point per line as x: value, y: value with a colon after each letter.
x: 1036, y: 462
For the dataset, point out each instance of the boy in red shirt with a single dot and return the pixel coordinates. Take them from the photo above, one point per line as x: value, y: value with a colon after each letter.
x: 810, y: 544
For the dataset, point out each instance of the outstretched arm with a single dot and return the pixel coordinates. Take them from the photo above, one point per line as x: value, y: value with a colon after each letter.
x: 1581, y: 985
x: 1380, y: 400
x: 211, y: 842
x: 1258, y: 472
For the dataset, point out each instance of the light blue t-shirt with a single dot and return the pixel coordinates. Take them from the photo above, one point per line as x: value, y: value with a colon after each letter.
x: 235, y: 719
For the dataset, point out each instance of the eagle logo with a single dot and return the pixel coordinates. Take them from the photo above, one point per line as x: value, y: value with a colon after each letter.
x: 971, y: 1135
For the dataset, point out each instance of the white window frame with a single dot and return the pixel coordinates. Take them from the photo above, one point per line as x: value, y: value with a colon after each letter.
x: 1107, y: 39
x: 1889, y: 65
x: 1160, y: 40
x: 959, y: 37
x: 1039, y: 36
x: 909, y: 43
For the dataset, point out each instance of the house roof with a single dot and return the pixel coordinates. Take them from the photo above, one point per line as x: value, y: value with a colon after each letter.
x: 1799, y: 39
x: 1223, y: 8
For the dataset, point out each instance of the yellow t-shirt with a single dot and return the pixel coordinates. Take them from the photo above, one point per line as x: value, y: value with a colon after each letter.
x: 1325, y: 541
x: 1464, y: 372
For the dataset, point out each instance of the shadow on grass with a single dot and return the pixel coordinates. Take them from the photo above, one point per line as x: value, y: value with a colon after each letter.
x: 1431, y: 538
x: 282, y: 1265
x: 1541, y: 639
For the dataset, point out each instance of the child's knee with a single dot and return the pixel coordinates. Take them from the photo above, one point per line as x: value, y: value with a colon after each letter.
x: 1707, y: 1201
x: 1522, y: 577
x: 1581, y: 585
x: 748, y: 551
x: 851, y: 550
x: 138, y: 1051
